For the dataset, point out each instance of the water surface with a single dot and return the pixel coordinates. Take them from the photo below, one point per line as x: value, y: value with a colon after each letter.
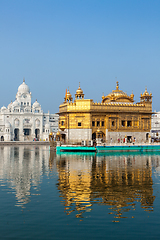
x: 78, y: 196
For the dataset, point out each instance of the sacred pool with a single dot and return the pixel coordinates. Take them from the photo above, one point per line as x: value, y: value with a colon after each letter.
x: 78, y: 196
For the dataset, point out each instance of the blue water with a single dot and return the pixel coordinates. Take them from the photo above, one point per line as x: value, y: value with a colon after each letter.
x: 78, y: 196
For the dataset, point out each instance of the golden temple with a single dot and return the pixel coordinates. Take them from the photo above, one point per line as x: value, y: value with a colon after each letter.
x: 115, y: 118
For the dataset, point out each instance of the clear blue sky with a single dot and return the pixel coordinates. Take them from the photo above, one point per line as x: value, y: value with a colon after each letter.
x: 56, y: 44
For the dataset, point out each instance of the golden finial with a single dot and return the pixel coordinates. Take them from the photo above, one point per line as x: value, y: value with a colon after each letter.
x: 117, y: 87
x: 79, y: 84
x: 23, y: 79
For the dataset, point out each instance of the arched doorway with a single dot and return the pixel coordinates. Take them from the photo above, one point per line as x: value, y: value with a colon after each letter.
x: 98, y: 134
x: 37, y: 132
x: 16, y: 134
x: 27, y: 133
x: 147, y: 135
x: 2, y: 138
x: 63, y: 137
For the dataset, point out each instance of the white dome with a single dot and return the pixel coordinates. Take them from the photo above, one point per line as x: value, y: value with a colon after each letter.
x: 3, y: 108
x: 36, y: 104
x: 15, y: 104
x: 7, y: 125
x: 47, y: 126
x: 23, y: 88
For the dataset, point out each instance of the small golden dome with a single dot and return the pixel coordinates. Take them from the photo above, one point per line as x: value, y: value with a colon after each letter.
x: 146, y: 96
x: 50, y: 133
x: 146, y: 93
x: 58, y: 133
x: 68, y: 94
x: 79, y: 93
x: 79, y: 90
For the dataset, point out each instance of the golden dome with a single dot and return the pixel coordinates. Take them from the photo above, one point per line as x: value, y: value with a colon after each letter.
x: 79, y: 90
x: 79, y: 93
x: 146, y: 96
x: 58, y: 133
x: 146, y: 93
x: 117, y: 96
x: 68, y: 96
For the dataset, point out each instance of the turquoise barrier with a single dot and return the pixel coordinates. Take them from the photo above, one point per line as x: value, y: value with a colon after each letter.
x: 130, y: 148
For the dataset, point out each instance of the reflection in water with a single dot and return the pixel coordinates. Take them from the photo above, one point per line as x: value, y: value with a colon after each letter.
x: 21, y: 167
x: 118, y: 181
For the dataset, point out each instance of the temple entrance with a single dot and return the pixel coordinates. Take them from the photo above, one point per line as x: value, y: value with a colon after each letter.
x: 16, y: 134
x: 2, y: 138
x: 37, y: 132
x: 129, y: 138
x: 63, y: 137
x: 27, y: 133
x: 98, y: 136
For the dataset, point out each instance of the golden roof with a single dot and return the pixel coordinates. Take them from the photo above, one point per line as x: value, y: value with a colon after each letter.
x: 117, y: 96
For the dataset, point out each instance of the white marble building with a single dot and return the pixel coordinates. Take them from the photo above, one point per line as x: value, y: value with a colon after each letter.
x: 24, y: 121
x: 155, y: 125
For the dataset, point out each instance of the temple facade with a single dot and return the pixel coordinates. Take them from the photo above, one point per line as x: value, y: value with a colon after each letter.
x: 115, y: 118
x: 24, y: 121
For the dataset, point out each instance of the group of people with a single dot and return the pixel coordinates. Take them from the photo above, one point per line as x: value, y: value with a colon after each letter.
x: 125, y: 140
